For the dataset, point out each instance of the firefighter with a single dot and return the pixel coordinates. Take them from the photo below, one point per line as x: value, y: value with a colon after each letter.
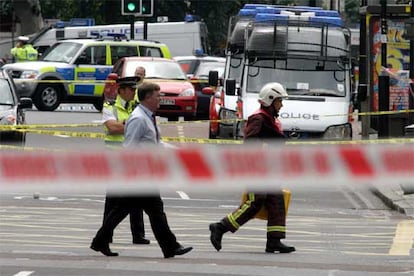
x: 23, y: 51
x: 261, y: 126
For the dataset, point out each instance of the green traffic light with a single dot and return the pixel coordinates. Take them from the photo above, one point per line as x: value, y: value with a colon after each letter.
x: 144, y: 9
x: 131, y: 7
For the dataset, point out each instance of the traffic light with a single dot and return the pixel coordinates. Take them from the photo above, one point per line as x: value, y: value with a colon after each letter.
x: 131, y: 7
x: 147, y: 7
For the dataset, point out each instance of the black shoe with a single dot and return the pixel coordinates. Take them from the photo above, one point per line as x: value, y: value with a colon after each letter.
x: 277, y: 245
x: 104, y: 250
x: 216, y: 235
x: 141, y: 241
x: 179, y: 251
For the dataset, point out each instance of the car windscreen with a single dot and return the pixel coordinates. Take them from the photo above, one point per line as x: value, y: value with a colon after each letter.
x: 156, y: 69
x: 205, y: 67
x: 62, y: 52
x: 6, y: 97
x: 301, y: 77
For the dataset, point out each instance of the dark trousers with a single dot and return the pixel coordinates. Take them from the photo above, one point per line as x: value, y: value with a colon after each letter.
x: 136, y: 218
x: 275, y: 205
x: 153, y: 207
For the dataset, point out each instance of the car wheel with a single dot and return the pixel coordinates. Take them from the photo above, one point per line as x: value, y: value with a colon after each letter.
x: 15, y: 138
x: 47, y: 97
x: 211, y: 135
x: 189, y: 118
x: 98, y: 104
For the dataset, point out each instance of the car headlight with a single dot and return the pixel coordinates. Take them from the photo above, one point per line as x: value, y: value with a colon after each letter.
x: 338, y: 132
x: 7, y: 118
x: 229, y: 116
x: 29, y: 74
x: 188, y: 92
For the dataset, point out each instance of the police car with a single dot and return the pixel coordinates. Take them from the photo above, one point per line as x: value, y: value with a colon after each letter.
x: 75, y: 70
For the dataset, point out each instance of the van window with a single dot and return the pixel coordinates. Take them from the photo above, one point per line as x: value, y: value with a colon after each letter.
x: 146, y: 51
x: 118, y: 52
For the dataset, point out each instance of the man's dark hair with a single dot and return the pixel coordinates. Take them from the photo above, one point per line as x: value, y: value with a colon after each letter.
x: 146, y: 89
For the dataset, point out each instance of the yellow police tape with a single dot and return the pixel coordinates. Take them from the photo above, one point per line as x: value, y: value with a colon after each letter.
x: 352, y: 142
x: 96, y: 135
x: 102, y: 81
x: 7, y: 127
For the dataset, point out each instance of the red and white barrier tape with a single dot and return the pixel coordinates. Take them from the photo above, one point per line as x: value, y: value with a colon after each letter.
x: 208, y: 168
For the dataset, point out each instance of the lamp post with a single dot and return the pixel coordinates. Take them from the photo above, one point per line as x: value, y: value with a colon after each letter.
x: 383, y: 79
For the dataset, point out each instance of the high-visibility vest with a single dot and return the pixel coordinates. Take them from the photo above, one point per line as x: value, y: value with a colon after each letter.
x: 121, y: 114
x: 25, y: 53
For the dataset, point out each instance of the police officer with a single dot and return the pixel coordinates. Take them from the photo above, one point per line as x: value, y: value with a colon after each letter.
x: 115, y: 113
x: 141, y: 131
x: 261, y: 126
x: 23, y: 51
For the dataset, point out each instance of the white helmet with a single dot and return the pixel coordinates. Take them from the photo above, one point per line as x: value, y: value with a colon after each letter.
x: 270, y: 92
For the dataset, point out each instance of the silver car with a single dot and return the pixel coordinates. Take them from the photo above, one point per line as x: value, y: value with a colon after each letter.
x: 11, y: 112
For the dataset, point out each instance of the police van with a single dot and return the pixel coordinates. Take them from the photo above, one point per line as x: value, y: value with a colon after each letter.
x: 182, y: 38
x: 307, y: 50
x: 76, y: 70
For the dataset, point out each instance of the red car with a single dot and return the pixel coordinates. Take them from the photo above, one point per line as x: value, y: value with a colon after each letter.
x: 178, y: 97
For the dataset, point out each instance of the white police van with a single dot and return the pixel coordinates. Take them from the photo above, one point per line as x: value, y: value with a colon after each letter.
x: 307, y: 50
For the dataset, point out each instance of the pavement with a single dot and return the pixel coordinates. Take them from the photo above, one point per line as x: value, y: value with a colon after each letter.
x: 398, y: 197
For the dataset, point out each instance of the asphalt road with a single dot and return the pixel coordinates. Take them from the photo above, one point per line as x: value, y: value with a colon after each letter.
x: 336, y: 231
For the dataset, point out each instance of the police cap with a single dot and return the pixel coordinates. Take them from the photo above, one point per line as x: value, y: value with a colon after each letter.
x: 23, y: 38
x: 128, y: 82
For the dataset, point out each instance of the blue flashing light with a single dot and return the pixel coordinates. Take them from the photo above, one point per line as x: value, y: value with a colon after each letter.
x: 198, y: 52
x: 336, y: 21
x: 189, y: 18
x: 60, y: 24
x: 327, y: 13
x: 266, y: 17
x: 272, y: 10
x: 247, y: 12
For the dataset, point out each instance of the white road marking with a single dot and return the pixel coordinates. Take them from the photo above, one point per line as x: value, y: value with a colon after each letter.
x: 180, y: 130
x: 183, y: 195
x: 24, y: 273
x: 404, y: 238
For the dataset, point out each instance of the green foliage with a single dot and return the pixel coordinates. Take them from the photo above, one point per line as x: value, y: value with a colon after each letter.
x: 5, y: 7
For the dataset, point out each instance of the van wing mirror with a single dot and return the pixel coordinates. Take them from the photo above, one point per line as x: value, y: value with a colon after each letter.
x: 230, y: 87
x: 213, y: 78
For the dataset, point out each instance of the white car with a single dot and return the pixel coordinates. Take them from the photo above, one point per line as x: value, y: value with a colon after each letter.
x: 11, y: 111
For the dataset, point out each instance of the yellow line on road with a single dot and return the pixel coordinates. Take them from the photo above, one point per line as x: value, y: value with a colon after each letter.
x: 404, y: 238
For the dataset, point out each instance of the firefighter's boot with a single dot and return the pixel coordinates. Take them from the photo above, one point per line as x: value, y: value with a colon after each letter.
x: 273, y: 245
x: 217, y: 231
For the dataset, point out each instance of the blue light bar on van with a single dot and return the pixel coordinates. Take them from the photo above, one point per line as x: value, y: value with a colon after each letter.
x: 269, y: 10
x: 248, y: 12
x: 266, y: 17
x: 336, y: 21
x: 284, y: 18
x: 327, y: 13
